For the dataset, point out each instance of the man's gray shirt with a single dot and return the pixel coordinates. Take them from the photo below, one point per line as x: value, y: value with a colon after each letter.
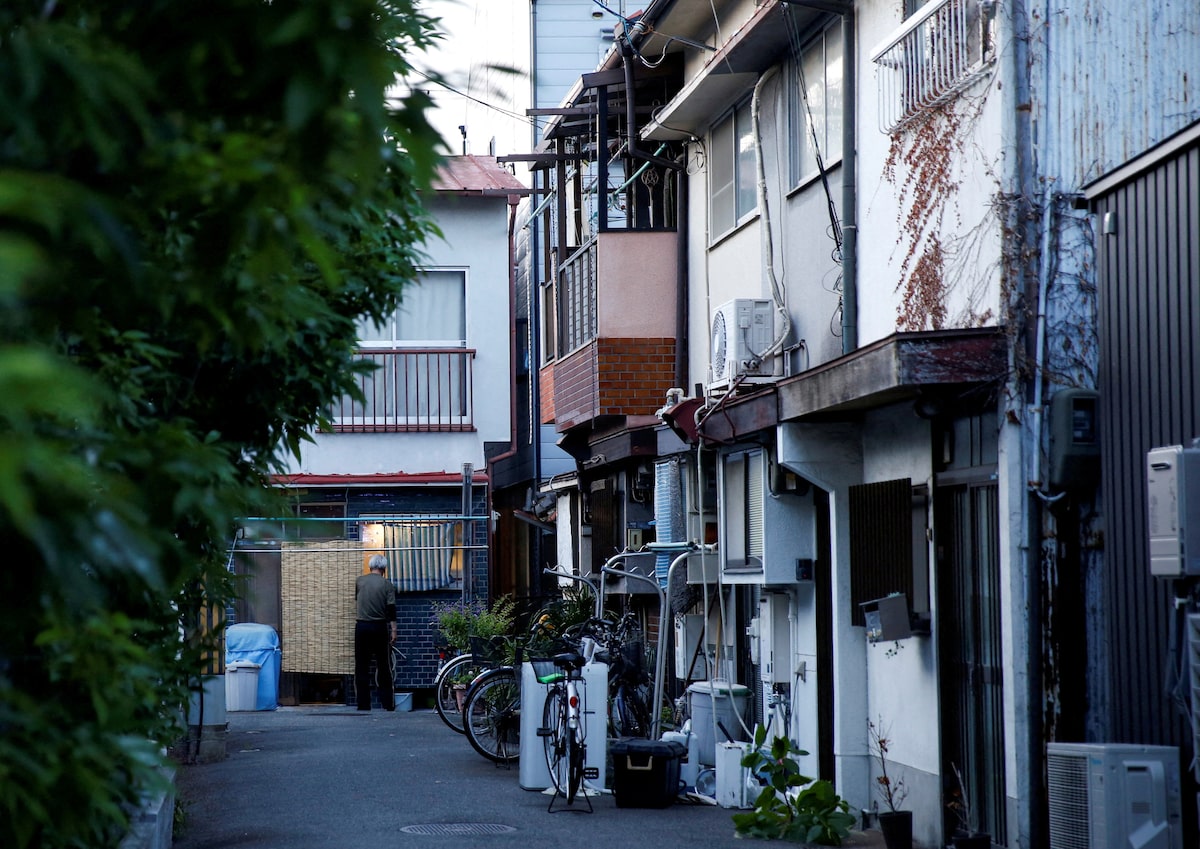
x: 374, y: 595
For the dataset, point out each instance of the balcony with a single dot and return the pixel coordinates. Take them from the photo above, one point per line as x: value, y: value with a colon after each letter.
x: 616, y: 328
x: 410, y: 390
x: 937, y: 53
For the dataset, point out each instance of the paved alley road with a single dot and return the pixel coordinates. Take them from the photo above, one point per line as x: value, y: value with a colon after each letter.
x: 322, y: 777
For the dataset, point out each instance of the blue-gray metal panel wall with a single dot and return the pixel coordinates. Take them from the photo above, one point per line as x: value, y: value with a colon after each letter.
x: 1110, y: 79
x: 1149, y: 324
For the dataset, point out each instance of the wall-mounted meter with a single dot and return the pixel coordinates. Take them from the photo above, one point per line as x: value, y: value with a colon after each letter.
x: 1074, y: 439
x: 1173, y: 501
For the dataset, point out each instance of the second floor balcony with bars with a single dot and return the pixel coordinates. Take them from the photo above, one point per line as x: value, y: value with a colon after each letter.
x: 932, y: 57
x: 410, y: 390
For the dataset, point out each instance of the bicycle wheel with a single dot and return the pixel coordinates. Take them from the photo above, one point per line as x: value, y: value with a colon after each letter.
x: 575, y: 757
x: 453, y: 675
x: 631, y: 710
x: 555, y: 733
x: 492, y: 715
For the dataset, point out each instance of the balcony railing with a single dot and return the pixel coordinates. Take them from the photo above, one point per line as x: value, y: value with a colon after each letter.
x: 578, y: 275
x: 936, y: 53
x: 411, y: 389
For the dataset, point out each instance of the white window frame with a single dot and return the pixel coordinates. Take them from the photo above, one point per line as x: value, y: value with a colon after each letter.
x: 733, y: 185
x: 390, y: 335
x: 826, y: 102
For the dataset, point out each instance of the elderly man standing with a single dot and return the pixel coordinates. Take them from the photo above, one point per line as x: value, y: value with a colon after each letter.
x: 374, y: 632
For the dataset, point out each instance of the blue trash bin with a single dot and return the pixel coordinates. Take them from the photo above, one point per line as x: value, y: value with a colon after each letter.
x: 249, y: 641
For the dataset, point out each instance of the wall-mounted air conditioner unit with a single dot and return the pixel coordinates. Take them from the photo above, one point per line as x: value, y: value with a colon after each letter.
x: 742, y: 331
x: 1109, y: 795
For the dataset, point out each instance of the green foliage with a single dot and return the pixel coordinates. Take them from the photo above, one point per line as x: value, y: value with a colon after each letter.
x: 791, y: 806
x: 459, y: 621
x: 197, y: 201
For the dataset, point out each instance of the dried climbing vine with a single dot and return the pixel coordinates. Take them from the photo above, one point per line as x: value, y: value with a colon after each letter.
x: 921, y: 163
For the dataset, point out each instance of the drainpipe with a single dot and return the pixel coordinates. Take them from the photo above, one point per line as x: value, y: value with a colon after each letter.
x: 681, y: 279
x: 511, y: 451
x: 1018, y: 103
x: 849, y: 190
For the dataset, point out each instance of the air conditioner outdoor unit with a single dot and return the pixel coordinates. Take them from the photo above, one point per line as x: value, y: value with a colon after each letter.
x: 742, y: 330
x: 1113, y: 796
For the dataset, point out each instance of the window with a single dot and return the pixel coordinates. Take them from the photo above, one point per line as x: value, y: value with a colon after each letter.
x: 742, y: 537
x: 732, y: 181
x: 423, y: 554
x: 432, y: 314
x: 888, y: 544
x: 815, y: 96
x: 422, y: 370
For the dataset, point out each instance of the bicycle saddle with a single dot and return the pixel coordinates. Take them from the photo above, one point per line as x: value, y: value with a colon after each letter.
x: 569, y: 660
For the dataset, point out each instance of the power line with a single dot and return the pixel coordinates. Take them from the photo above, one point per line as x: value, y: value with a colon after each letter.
x: 533, y: 122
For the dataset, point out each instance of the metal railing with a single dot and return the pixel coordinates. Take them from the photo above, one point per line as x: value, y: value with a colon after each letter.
x: 411, y: 389
x: 933, y: 56
x: 577, y: 320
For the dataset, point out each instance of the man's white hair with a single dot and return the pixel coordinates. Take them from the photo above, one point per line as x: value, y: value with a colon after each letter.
x: 378, y: 562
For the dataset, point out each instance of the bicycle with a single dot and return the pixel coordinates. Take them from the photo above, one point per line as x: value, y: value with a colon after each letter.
x: 563, y: 731
x: 492, y: 708
x: 449, y: 687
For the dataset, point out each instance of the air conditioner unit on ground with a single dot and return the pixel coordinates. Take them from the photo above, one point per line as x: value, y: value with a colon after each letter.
x: 742, y: 331
x: 1113, y: 796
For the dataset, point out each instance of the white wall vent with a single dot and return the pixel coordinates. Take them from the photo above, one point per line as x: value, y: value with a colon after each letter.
x: 742, y: 331
x: 1113, y: 796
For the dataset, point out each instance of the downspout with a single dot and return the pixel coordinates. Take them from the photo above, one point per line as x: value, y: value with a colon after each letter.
x: 1018, y: 104
x: 849, y: 188
x: 681, y: 279
x: 511, y: 451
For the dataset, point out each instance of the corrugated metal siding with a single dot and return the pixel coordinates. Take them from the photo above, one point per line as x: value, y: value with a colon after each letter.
x: 1121, y: 77
x: 1149, y: 325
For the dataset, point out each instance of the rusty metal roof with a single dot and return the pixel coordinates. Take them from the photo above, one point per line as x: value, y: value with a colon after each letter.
x: 476, y: 175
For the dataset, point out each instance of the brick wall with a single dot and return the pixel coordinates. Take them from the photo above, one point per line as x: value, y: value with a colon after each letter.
x: 613, y: 376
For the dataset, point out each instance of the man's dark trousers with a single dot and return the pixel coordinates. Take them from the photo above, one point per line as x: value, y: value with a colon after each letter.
x: 371, y: 641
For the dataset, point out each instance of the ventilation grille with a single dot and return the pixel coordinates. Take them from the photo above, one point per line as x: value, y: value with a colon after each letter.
x: 1070, y: 825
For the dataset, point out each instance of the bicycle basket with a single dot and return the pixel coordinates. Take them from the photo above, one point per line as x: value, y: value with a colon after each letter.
x: 544, y: 669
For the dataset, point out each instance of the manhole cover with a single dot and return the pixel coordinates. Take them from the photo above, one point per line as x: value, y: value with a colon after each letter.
x: 458, y: 828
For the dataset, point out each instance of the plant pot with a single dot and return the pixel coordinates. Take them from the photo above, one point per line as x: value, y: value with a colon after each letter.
x: 897, y: 829
x: 460, y: 695
x: 974, y: 840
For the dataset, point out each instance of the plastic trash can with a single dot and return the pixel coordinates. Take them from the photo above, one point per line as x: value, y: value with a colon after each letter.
x: 728, y: 702
x: 241, y: 685
x: 256, y: 643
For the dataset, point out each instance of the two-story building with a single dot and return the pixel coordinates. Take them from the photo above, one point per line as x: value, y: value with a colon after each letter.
x: 404, y: 469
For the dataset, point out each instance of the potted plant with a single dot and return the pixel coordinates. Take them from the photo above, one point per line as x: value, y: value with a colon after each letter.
x: 967, y: 835
x: 895, y: 823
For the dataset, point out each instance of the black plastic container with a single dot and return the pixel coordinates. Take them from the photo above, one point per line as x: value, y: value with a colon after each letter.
x: 646, y: 772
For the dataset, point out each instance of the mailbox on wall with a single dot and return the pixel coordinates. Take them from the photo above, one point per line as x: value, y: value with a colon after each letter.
x: 887, y: 618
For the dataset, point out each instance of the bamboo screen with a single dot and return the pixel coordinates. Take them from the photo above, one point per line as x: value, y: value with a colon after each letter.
x: 317, y: 594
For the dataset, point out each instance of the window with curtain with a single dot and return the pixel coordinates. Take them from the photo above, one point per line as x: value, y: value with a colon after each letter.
x: 815, y: 95
x: 432, y: 314
x: 423, y: 556
x: 422, y: 375
x: 732, y: 180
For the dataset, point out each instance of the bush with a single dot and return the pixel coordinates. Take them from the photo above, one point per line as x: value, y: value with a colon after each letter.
x: 791, y: 806
x: 459, y: 621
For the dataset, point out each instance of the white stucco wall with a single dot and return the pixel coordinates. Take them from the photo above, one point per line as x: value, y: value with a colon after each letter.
x: 476, y: 239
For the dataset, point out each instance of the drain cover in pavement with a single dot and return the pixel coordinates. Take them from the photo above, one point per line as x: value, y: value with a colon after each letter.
x: 458, y: 828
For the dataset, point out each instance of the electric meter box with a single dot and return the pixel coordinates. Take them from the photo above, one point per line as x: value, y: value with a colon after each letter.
x: 1173, y: 503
